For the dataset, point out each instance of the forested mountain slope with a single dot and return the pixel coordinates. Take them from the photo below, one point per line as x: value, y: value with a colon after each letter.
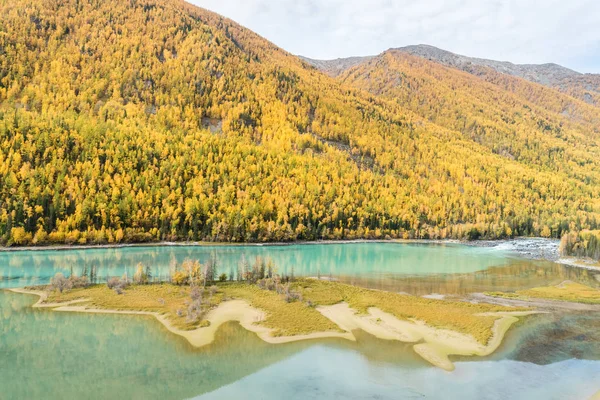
x: 156, y: 120
x: 524, y: 122
x: 584, y: 87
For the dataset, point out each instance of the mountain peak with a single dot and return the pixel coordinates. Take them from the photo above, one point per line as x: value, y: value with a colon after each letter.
x: 548, y: 74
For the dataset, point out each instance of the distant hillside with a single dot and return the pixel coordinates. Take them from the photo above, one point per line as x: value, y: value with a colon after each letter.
x: 337, y: 66
x: 528, y: 124
x: 545, y: 74
x: 584, y: 87
x: 157, y: 120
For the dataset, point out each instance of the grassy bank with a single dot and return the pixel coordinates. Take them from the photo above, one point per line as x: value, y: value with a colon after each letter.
x: 567, y: 291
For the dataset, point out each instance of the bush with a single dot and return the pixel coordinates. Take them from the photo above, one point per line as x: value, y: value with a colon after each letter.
x: 79, y: 281
x: 113, y: 282
x: 141, y: 276
x: 60, y: 283
x: 179, y: 278
x: 290, y: 295
x: 117, y: 284
x: 196, y: 293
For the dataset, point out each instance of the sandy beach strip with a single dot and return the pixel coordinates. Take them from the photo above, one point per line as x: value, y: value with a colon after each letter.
x: 434, y: 344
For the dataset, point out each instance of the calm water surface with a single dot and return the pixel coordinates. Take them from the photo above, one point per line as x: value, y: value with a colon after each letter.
x: 51, y: 355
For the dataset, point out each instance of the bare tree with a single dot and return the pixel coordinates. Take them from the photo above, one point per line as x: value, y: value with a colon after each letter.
x: 60, y: 283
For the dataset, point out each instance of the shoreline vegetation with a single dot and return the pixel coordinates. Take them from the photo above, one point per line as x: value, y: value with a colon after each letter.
x: 279, y: 309
x: 581, y: 249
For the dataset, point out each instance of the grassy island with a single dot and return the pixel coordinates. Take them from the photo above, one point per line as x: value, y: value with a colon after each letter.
x: 281, y: 309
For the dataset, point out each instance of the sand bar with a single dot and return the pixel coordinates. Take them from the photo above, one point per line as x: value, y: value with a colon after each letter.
x: 433, y: 344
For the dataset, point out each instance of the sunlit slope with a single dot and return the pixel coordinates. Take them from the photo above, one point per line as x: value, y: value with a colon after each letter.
x: 157, y: 120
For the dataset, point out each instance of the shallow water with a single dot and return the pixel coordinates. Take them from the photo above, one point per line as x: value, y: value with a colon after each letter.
x: 52, y: 355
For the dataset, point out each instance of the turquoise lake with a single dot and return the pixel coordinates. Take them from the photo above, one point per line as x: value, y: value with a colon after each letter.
x: 51, y: 355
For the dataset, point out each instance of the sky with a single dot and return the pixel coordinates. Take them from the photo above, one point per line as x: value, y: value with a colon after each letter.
x: 566, y: 32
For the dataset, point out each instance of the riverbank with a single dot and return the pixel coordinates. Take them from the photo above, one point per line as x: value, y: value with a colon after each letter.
x: 566, y: 295
x: 538, y: 304
x: 232, y: 244
x: 438, y: 328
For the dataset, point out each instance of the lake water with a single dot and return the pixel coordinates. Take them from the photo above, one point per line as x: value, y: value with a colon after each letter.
x: 50, y: 355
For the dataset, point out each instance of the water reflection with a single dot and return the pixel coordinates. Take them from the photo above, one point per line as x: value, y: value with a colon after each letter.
x: 518, y: 275
x: 352, y: 259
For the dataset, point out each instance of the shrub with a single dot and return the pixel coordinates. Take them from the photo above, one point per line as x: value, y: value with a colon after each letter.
x: 113, y: 282
x: 179, y: 278
x: 196, y: 293
x: 79, y: 281
x: 290, y: 295
x: 60, y: 283
x: 117, y: 284
x: 141, y: 276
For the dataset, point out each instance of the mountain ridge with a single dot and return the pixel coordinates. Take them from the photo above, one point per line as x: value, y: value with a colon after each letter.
x: 585, y: 87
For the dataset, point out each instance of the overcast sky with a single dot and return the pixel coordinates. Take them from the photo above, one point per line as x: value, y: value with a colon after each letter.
x: 522, y: 31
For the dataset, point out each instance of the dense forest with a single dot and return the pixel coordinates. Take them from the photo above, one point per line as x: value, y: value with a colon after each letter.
x: 146, y: 120
x: 581, y: 244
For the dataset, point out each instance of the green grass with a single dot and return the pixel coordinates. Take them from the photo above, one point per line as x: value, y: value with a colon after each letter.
x: 164, y: 299
x: 298, y: 317
x: 454, y: 315
x: 287, y: 319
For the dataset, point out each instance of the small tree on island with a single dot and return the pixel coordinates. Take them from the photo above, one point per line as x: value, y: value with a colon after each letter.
x: 60, y: 283
x: 143, y: 275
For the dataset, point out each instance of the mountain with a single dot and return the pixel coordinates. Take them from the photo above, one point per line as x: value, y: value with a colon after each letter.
x: 585, y: 87
x: 336, y: 67
x: 545, y: 74
x: 153, y: 120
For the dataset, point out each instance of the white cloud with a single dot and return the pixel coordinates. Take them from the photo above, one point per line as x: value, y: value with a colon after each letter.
x: 522, y: 31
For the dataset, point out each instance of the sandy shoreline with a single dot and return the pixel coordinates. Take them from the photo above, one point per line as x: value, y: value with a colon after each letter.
x: 204, y: 244
x: 240, y: 244
x: 433, y: 344
x: 584, y: 263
